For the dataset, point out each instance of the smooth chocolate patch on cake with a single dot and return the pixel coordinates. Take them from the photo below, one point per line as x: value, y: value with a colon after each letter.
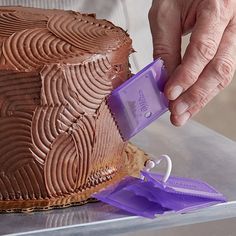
x: 58, y: 140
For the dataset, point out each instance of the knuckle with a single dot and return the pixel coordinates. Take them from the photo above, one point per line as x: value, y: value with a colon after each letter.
x: 220, y: 11
x: 154, y: 8
x: 206, y: 48
x: 198, y: 95
x: 231, y: 29
x: 202, y: 103
x: 225, y: 11
x: 152, y: 14
x: 189, y: 77
x: 216, y: 7
x: 226, y: 3
x: 158, y: 9
x: 224, y: 69
x: 226, y: 6
x: 193, y: 111
x: 161, y: 50
x: 199, y: 105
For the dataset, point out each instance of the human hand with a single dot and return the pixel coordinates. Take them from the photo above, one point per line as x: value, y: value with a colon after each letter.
x: 209, y: 62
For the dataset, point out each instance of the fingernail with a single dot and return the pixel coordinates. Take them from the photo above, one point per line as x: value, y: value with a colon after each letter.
x: 183, y: 118
x: 180, y: 108
x: 175, y: 92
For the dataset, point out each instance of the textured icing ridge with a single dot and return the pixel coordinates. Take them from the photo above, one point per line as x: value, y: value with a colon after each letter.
x: 47, y: 48
x: 90, y: 83
x: 18, y: 91
x: 87, y: 35
x: 58, y: 140
x: 10, y: 23
x: 20, y: 176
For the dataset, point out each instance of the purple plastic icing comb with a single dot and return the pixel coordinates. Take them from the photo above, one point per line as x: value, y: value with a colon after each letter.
x: 140, y: 100
x: 156, y: 194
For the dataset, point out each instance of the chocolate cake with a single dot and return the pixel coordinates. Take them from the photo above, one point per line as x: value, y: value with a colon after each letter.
x: 58, y: 140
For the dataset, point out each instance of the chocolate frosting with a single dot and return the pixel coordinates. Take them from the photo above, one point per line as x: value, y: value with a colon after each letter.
x: 57, y: 136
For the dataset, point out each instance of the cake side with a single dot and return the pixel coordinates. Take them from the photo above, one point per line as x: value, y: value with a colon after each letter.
x: 133, y: 159
x: 58, y: 140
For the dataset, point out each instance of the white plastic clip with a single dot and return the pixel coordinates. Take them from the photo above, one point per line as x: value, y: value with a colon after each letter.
x: 154, y: 161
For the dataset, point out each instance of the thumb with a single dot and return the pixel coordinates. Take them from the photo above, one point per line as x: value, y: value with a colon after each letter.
x: 165, y: 23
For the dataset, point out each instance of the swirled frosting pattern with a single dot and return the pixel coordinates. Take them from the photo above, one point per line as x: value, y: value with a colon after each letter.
x: 57, y: 136
x: 87, y: 35
x: 10, y: 23
x: 93, y: 78
x: 47, y: 49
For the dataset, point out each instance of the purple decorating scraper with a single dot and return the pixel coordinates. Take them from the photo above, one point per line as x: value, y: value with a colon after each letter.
x: 134, y: 105
x: 140, y: 100
x: 155, y: 193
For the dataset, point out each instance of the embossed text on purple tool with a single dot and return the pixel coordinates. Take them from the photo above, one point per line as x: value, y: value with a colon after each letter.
x: 140, y: 100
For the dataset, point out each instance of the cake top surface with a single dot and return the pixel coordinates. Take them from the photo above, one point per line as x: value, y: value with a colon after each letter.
x: 32, y: 37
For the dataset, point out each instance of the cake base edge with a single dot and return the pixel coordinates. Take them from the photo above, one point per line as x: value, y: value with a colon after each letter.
x: 134, y: 162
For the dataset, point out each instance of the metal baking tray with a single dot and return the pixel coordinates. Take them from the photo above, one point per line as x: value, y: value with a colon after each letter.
x: 196, y: 151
